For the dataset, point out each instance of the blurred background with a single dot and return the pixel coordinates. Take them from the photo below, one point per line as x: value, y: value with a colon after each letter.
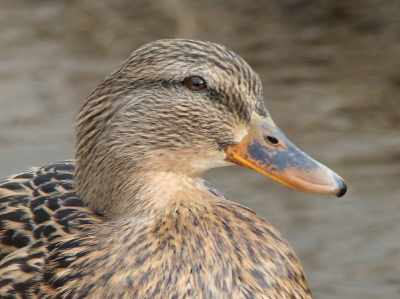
x: 331, y: 74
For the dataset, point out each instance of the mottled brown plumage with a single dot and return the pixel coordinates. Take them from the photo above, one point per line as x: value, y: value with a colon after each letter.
x: 131, y: 217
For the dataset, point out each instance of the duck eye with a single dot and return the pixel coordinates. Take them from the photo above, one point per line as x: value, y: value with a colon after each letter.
x: 195, y: 83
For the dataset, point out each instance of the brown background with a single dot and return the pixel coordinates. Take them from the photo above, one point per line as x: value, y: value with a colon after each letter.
x: 331, y: 73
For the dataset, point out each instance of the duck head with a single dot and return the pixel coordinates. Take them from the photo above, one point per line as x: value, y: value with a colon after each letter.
x: 171, y: 111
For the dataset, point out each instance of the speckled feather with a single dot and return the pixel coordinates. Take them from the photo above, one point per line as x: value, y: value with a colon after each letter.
x: 131, y: 218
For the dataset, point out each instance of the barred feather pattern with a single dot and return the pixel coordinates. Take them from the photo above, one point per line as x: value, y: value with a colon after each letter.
x: 53, y: 246
x: 35, y: 208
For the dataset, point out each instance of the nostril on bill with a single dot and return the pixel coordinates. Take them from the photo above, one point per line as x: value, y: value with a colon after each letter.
x: 271, y: 139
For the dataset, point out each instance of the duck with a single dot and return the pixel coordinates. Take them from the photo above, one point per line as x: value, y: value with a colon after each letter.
x: 131, y: 216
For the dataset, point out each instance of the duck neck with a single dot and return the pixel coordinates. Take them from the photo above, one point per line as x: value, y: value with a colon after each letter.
x: 138, y: 190
x: 159, y: 194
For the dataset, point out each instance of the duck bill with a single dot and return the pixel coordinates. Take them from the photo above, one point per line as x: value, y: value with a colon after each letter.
x: 267, y: 150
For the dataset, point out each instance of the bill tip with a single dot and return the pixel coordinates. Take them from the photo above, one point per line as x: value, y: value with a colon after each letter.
x: 342, y: 187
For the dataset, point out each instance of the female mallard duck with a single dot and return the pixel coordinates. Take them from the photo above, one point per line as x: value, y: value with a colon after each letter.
x: 131, y: 217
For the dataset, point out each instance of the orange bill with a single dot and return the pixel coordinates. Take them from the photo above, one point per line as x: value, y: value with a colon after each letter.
x: 267, y: 150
